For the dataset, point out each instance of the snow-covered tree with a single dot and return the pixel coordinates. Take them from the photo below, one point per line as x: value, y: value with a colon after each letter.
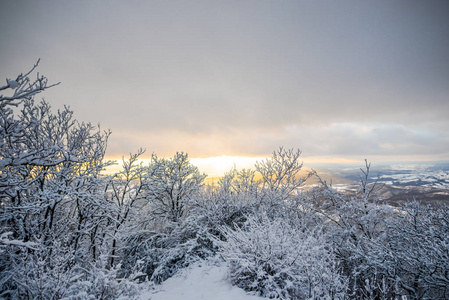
x: 280, y: 175
x: 418, y: 251
x: 50, y: 189
x: 175, y: 182
x: 13, y: 150
x: 125, y: 192
x: 354, y: 223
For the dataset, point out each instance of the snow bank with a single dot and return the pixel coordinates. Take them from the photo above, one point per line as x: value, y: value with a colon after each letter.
x: 203, y: 280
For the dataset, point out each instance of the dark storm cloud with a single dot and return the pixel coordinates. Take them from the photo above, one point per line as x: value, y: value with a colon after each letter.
x: 243, y: 77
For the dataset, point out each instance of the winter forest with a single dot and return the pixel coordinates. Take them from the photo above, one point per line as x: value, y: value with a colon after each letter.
x: 70, y: 230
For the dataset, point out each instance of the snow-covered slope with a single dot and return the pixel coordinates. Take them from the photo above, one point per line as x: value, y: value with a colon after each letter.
x: 426, y: 178
x: 203, y: 280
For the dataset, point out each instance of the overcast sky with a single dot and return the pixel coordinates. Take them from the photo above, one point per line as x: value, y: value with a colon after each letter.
x: 333, y: 78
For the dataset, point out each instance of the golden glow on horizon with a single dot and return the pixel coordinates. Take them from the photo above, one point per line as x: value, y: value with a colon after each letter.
x: 212, y: 166
x: 217, y: 166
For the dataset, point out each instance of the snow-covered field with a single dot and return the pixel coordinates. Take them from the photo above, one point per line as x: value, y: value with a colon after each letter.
x: 436, y: 179
x: 203, y: 280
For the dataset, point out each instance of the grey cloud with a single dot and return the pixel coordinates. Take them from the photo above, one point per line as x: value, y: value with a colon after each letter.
x: 207, y: 75
x: 336, y: 139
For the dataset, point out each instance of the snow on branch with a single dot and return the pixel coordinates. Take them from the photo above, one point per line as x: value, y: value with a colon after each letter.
x: 24, y: 87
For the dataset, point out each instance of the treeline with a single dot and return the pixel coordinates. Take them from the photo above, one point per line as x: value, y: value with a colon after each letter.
x: 68, y: 231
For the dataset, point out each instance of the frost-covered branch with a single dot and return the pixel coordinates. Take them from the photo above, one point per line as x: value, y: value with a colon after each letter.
x: 24, y: 88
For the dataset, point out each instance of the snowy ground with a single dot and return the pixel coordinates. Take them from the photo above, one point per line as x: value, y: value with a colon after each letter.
x: 204, y: 280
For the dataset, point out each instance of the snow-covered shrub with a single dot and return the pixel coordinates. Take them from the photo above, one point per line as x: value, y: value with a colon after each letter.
x: 280, y: 176
x: 419, y: 251
x: 218, y: 209
x: 266, y: 188
x: 38, y: 272
x: 356, y: 225
x: 174, y: 182
x: 386, y: 253
x: 159, y: 255
x: 101, y: 283
x: 277, y: 259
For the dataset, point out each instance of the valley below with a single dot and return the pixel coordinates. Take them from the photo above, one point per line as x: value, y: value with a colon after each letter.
x: 395, y: 184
